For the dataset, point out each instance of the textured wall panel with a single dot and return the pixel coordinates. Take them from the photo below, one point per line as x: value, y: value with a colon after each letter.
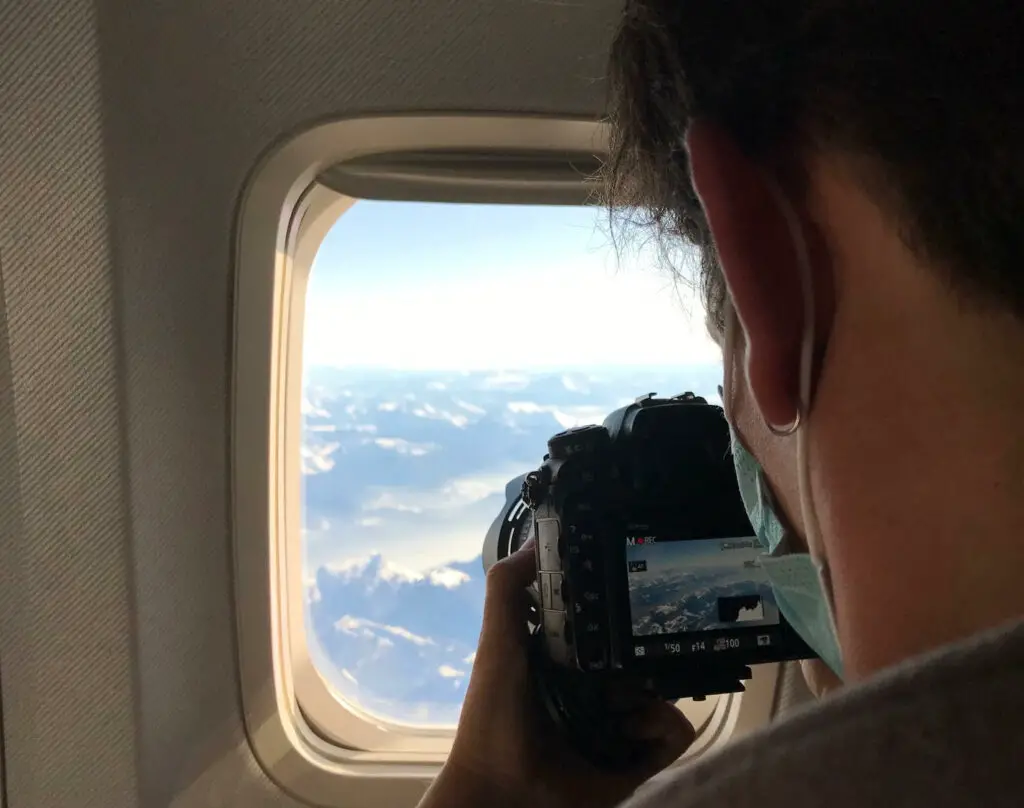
x: 66, y: 633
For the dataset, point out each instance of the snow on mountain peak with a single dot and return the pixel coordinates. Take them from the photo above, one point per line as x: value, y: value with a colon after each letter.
x: 504, y: 380
x: 405, y: 447
x: 567, y: 417
x: 307, y: 407
x: 359, y: 626
x: 318, y: 459
x: 374, y: 569
x: 447, y: 577
x: 473, y: 408
x: 575, y: 384
x: 433, y: 413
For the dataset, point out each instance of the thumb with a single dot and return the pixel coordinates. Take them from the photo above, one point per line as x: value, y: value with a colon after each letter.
x: 504, y: 602
x: 665, y: 734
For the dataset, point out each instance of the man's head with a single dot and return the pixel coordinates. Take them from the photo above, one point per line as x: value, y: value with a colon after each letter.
x: 887, y: 136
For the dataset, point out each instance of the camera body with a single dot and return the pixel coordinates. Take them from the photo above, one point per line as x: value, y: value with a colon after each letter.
x: 648, y: 568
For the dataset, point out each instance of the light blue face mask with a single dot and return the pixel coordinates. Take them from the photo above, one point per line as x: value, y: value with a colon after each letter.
x: 799, y: 580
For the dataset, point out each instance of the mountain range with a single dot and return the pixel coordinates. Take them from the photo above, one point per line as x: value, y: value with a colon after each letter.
x: 402, y: 474
x: 399, y: 643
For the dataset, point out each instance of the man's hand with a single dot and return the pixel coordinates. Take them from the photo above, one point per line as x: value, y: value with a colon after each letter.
x: 504, y: 756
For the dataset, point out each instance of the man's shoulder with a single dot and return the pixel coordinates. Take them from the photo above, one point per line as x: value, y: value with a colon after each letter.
x: 943, y: 730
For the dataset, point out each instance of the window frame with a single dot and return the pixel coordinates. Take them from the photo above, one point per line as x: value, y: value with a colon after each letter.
x: 303, y: 736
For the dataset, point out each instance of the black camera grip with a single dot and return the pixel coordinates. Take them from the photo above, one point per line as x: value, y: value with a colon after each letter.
x: 578, y: 707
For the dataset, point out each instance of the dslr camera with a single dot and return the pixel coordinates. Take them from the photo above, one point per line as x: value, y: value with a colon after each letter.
x: 648, y: 571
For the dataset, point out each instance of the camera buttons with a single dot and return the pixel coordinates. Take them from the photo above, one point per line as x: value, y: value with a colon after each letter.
x: 556, y: 636
x: 551, y: 590
x: 548, y: 545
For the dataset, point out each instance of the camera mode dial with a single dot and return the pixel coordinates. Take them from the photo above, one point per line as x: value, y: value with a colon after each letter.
x: 535, y: 487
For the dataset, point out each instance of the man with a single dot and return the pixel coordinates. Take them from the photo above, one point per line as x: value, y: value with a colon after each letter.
x: 852, y: 173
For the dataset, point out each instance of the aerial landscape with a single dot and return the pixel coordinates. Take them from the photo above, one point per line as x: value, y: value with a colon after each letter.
x: 402, y: 474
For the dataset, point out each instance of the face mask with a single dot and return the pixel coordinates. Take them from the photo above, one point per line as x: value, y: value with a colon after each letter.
x: 799, y: 580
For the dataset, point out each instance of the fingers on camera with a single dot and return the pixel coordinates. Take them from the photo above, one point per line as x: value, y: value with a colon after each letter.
x: 517, y: 571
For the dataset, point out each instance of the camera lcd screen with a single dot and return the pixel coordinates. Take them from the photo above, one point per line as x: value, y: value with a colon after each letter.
x: 697, y: 596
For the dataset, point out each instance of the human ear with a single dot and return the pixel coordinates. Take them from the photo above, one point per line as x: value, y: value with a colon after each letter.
x: 753, y: 232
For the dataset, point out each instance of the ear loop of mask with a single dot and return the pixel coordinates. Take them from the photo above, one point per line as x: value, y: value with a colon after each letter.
x: 812, y: 528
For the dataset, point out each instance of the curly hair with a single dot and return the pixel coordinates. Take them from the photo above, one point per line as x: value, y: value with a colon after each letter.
x: 926, y: 97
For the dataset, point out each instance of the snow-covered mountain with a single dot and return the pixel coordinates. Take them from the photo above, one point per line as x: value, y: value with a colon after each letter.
x: 399, y: 643
x: 403, y: 472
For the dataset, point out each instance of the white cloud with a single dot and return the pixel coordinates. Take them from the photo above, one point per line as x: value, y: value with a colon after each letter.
x: 525, y: 407
x: 404, y: 447
x: 464, y: 491
x: 360, y: 428
x: 317, y: 459
x: 448, y: 672
x: 430, y: 411
x: 405, y: 634
x: 454, y: 494
x: 387, y: 570
x: 604, y: 284
x: 565, y: 416
x: 506, y: 381
x: 473, y: 408
x: 357, y: 626
x: 448, y: 578
x: 470, y: 659
x: 389, y: 501
x: 309, y: 408
x: 575, y: 385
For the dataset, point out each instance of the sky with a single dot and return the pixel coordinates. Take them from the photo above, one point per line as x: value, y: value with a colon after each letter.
x: 430, y: 286
x: 421, y: 287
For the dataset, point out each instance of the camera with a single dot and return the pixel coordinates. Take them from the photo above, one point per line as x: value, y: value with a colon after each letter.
x: 648, y: 571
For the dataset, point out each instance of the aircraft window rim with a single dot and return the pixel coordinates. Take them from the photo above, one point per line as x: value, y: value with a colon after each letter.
x: 329, y: 715
x: 283, y: 216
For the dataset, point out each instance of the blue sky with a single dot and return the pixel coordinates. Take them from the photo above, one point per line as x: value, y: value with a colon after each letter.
x: 421, y: 287
x: 441, y: 286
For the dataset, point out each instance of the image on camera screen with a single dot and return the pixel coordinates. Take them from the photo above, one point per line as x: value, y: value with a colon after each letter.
x: 678, y: 587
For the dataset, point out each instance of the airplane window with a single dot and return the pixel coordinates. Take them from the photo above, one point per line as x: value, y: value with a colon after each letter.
x: 443, y: 345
